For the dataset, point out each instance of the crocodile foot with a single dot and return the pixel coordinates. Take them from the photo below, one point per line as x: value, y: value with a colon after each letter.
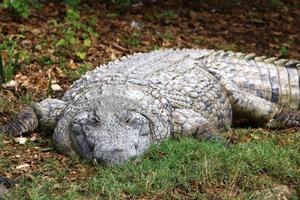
x: 5, y: 184
x: 286, y: 118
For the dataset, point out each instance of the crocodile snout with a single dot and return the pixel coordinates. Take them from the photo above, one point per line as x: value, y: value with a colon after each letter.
x: 116, y: 156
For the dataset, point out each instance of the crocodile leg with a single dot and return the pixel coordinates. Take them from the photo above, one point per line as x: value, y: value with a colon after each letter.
x: 44, y: 114
x: 253, y: 108
x: 5, y: 184
x: 264, y: 112
x: 188, y: 122
x: 26, y: 121
x: 48, y: 112
x: 257, y: 109
x: 247, y: 105
x: 284, y: 119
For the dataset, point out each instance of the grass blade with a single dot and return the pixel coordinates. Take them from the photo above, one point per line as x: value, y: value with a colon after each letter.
x: 2, y: 74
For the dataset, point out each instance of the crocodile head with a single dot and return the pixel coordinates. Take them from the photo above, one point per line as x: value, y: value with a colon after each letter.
x: 111, y: 131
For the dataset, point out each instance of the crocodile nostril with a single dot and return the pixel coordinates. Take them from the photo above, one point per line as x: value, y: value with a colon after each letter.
x: 136, y: 145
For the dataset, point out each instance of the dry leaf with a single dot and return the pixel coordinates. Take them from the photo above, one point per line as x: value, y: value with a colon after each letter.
x: 25, y: 165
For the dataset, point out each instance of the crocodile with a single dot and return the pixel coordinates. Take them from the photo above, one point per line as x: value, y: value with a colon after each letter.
x: 5, y: 184
x: 119, y: 109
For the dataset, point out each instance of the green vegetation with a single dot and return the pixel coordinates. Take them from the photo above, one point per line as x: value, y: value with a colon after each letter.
x: 275, y: 3
x: 156, y: 47
x: 76, y: 74
x: 122, y: 4
x: 283, y: 51
x: 75, y: 37
x: 1, y: 143
x: 184, y: 168
x: 167, y: 16
x: 167, y: 35
x: 132, y: 40
x: 6, y: 106
x: 8, y: 65
x: 27, y: 98
x: 228, y: 46
x: 73, y: 3
x: 20, y: 8
x: 2, y: 71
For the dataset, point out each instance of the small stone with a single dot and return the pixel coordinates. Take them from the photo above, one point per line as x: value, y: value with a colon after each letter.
x: 56, y: 87
x: 11, y: 85
x: 5, y: 142
x: 135, y: 25
x: 26, y: 43
x: 38, y: 47
x: 33, y: 138
x: 36, y: 31
x: 21, y: 140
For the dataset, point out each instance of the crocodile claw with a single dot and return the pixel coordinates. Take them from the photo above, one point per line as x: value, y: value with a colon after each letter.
x: 25, y: 122
x: 5, y: 184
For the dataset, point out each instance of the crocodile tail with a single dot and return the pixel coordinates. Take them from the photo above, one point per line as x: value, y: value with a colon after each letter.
x: 25, y: 122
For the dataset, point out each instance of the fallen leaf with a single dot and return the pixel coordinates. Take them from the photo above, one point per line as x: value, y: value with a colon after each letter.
x: 21, y: 140
x: 56, y: 87
x: 72, y: 65
x: 22, y: 166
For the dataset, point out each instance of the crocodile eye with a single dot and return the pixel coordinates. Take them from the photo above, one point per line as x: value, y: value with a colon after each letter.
x: 128, y: 120
x: 85, y: 128
x: 96, y: 120
x: 133, y: 119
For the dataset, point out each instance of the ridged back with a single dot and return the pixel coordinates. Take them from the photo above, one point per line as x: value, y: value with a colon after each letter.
x: 276, y: 80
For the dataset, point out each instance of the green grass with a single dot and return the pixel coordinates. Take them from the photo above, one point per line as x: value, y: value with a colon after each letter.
x: 6, y: 106
x: 177, y: 169
x: 133, y: 40
x: 8, y: 66
x: 76, y: 74
x: 275, y: 3
x: 168, y: 35
x: 228, y: 46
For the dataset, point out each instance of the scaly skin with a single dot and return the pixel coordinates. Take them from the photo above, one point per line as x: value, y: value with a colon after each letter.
x: 5, y: 184
x: 116, y: 111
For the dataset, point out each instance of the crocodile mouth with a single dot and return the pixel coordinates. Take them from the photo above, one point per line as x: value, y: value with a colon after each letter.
x: 115, y: 156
